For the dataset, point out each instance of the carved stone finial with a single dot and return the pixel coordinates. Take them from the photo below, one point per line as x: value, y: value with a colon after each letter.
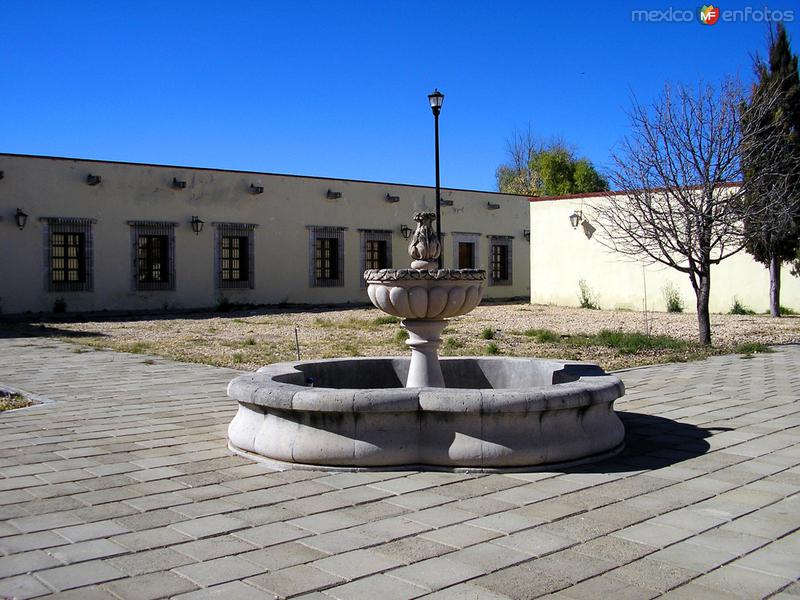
x: 424, y: 247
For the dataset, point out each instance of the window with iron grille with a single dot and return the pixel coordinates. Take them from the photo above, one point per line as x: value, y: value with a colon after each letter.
x: 500, y: 260
x: 153, y: 253
x: 68, y: 254
x: 234, y: 255
x: 376, y: 250
x: 326, y: 254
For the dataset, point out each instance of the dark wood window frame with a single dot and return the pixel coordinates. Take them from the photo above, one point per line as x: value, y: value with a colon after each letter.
x: 68, y: 254
x: 500, y: 260
x: 326, y: 256
x: 376, y: 250
x: 234, y: 255
x: 152, y: 255
x: 460, y: 238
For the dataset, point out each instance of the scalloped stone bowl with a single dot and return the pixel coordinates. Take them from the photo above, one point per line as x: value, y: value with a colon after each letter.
x: 494, y: 413
x: 422, y: 294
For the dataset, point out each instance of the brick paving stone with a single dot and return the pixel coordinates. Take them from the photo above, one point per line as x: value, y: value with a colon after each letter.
x: 92, y: 592
x: 654, y: 574
x: 24, y: 562
x: 235, y: 590
x: 149, y: 561
x: 284, y: 555
x: 90, y: 531
x: 340, y: 541
x: 436, y: 573
x: 489, y: 556
x: 218, y: 570
x: 208, y: 526
x: 522, y: 582
x: 215, y: 547
x: 534, y: 542
x: 376, y: 586
x: 357, y: 563
x: 742, y: 583
x: 86, y: 550
x: 22, y: 586
x: 409, y: 550
x: 151, y: 586
x: 294, y: 580
x: 79, y: 575
x: 271, y: 534
x: 460, y: 536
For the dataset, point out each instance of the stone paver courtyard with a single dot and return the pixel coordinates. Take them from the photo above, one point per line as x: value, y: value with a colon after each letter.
x: 123, y: 487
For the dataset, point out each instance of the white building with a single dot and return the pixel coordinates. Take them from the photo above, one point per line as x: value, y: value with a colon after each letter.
x: 115, y: 236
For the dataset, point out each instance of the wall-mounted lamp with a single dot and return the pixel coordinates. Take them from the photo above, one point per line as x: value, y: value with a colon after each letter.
x: 178, y: 184
x: 21, y: 218
x: 390, y: 198
x: 576, y: 218
x: 405, y: 231
x: 526, y: 233
x: 491, y: 206
x: 2, y: 174
x: 197, y: 225
x: 443, y: 202
x: 93, y: 179
x: 256, y: 189
x: 333, y: 195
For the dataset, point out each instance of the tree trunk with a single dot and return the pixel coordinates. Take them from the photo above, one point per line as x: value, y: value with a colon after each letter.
x: 703, y: 291
x: 774, y: 286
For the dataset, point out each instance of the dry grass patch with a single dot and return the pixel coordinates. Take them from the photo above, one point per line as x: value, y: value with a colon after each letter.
x: 251, y: 339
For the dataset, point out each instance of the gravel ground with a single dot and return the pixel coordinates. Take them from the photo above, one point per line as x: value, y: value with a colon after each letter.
x: 250, y: 339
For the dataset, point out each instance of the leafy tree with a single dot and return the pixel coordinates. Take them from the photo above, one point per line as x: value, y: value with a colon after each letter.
x: 772, y: 226
x: 552, y: 169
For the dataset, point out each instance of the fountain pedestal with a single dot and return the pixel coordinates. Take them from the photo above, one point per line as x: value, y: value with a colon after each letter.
x: 424, y: 339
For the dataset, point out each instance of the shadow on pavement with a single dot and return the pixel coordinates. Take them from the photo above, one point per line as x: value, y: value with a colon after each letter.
x: 653, y: 442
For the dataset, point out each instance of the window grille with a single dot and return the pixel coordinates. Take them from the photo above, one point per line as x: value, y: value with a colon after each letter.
x: 152, y: 255
x: 500, y: 272
x: 326, y: 256
x: 69, y: 254
x: 234, y: 256
x: 376, y: 250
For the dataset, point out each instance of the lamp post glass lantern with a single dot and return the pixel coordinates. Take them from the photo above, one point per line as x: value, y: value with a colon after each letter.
x: 436, y: 99
x: 405, y: 231
x: 575, y: 219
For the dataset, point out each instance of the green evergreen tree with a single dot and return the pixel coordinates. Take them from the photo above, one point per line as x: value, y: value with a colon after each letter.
x: 772, y: 224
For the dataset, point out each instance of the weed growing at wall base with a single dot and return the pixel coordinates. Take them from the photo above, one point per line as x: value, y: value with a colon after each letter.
x: 740, y: 309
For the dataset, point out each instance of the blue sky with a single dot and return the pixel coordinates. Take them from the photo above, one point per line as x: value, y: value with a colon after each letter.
x: 339, y: 89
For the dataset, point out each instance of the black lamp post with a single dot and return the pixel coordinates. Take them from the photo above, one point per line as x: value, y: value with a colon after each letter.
x: 436, y: 98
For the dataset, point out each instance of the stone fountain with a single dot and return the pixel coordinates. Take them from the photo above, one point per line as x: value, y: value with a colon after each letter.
x: 471, y: 414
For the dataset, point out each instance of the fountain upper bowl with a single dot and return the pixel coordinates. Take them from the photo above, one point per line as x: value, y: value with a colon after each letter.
x: 425, y: 293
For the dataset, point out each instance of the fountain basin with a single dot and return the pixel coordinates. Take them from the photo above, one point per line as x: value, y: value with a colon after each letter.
x: 494, y: 413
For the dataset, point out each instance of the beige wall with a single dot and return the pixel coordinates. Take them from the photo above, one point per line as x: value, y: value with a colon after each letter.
x: 561, y: 256
x: 56, y: 187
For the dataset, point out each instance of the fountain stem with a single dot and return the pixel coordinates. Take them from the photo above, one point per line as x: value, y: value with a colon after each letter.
x: 424, y: 339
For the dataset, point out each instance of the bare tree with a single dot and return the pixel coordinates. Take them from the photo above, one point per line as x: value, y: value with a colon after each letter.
x: 515, y: 176
x: 680, y: 175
